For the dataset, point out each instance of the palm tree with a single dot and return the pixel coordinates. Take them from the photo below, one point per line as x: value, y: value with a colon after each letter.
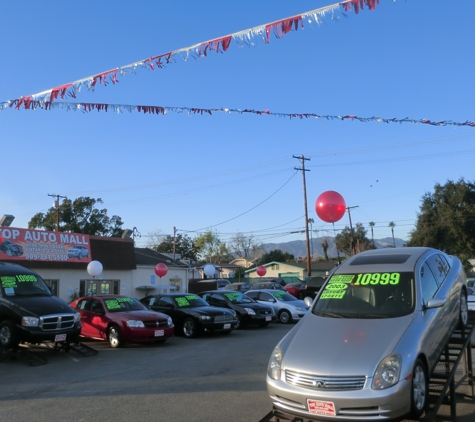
x: 372, y: 224
x: 392, y: 225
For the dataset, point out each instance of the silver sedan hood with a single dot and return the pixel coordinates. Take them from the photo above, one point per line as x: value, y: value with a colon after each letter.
x: 341, y: 346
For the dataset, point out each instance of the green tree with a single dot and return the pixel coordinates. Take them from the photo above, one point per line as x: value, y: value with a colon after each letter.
x: 184, y: 246
x: 276, y: 256
x: 446, y: 219
x: 343, y: 240
x: 210, y: 248
x: 79, y: 216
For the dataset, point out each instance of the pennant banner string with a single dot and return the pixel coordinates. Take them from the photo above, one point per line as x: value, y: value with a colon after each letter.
x: 219, y: 45
x: 163, y: 110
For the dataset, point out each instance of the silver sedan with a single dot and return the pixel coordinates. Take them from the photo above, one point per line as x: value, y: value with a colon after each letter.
x: 366, y: 348
x: 286, y: 307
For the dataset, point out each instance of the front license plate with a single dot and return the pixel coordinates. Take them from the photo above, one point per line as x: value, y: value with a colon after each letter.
x: 268, y: 318
x: 60, y: 337
x: 226, y: 326
x: 319, y: 407
x: 159, y: 333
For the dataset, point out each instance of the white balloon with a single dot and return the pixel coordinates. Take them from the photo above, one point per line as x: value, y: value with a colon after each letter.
x: 209, y: 270
x: 94, y: 268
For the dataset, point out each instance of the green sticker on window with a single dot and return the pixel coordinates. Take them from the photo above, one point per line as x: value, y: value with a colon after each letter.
x: 8, y: 281
x: 327, y: 294
x: 279, y: 294
x: 341, y: 278
x: 182, y: 301
x: 377, y: 278
x: 26, y: 278
x: 112, y: 304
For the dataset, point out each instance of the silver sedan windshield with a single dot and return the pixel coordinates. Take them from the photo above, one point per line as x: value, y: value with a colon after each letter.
x: 369, y: 295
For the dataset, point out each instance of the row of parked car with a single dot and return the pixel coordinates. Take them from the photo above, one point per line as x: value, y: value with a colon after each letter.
x: 156, y: 318
x: 29, y: 313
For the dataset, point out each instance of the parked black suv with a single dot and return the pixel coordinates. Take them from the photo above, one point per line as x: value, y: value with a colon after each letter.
x: 29, y: 313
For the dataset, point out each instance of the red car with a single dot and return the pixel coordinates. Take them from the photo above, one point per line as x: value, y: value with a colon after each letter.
x: 121, y: 319
x: 296, y: 289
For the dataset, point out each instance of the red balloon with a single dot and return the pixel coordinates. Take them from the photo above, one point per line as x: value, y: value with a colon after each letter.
x: 161, y: 269
x: 261, y: 270
x: 330, y: 206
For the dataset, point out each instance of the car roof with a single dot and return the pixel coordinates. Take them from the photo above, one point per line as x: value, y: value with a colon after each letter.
x: 7, y: 268
x: 391, y: 259
x: 171, y: 294
x: 271, y: 291
x: 104, y: 297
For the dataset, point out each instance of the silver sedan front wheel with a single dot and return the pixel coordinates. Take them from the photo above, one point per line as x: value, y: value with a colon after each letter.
x: 419, y: 389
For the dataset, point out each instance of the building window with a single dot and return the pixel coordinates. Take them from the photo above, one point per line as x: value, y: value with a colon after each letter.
x: 176, y: 282
x: 98, y: 287
x: 53, y: 286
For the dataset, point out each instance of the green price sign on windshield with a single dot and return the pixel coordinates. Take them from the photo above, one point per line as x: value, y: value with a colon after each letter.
x: 182, y: 301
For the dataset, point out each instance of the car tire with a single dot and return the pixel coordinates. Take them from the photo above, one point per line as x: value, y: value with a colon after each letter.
x: 8, y: 335
x: 238, y: 323
x: 115, y: 337
x: 463, y: 313
x: 285, y: 317
x: 189, y: 328
x: 419, y: 389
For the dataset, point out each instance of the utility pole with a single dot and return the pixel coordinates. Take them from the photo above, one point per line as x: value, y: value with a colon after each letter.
x: 353, y: 246
x: 303, y: 170
x: 174, y: 242
x: 56, y: 206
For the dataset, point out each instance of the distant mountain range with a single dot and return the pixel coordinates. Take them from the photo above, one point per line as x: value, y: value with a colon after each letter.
x: 298, y: 247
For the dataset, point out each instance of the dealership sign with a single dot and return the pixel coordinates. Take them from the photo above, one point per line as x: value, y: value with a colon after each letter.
x: 40, y: 245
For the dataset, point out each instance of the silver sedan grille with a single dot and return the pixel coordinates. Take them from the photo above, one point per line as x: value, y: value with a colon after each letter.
x: 317, y: 382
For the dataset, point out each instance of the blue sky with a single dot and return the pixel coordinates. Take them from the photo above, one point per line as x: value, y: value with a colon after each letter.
x: 235, y: 172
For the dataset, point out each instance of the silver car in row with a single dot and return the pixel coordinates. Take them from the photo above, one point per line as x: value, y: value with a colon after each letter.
x: 287, y: 307
x: 373, y: 335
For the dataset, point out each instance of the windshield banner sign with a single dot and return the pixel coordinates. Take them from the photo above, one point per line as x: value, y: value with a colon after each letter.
x: 40, y: 245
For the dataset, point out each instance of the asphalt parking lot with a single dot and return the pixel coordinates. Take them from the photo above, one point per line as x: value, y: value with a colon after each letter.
x: 211, y: 378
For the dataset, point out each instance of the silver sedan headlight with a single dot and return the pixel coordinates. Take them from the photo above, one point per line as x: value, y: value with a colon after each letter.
x: 132, y: 323
x: 275, y: 364
x: 250, y: 311
x: 388, y: 372
x: 300, y: 309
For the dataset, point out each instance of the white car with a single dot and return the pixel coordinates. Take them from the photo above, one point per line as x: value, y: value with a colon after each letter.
x: 286, y: 307
x: 471, y: 299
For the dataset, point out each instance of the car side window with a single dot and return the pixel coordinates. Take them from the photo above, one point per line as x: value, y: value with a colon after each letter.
x: 97, y: 307
x: 439, y: 266
x: 428, y: 283
x: 267, y: 297
x: 217, y: 300
x: 252, y: 295
x: 166, y: 302
x: 84, y: 305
